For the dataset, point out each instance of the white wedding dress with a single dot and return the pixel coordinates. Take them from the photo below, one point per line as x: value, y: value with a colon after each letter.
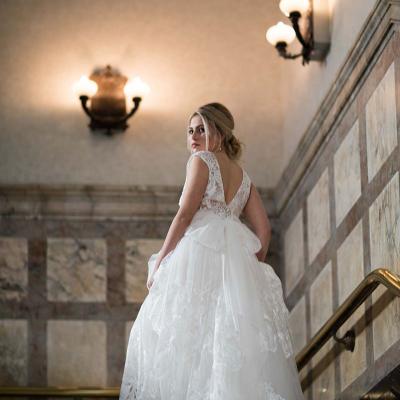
x: 214, y: 325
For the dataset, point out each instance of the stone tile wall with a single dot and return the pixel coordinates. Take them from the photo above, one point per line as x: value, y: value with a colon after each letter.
x: 341, y: 221
x: 73, y: 271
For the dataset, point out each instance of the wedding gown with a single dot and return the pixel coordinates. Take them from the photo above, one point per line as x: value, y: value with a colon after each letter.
x: 214, y: 325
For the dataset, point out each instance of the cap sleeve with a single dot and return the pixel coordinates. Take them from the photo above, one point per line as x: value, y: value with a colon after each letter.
x: 207, y: 158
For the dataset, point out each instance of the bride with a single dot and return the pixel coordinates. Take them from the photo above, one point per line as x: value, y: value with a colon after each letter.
x: 214, y: 325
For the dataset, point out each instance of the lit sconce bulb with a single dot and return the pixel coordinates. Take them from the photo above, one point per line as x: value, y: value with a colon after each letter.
x: 280, y: 33
x: 136, y: 88
x: 289, y: 6
x: 85, y: 87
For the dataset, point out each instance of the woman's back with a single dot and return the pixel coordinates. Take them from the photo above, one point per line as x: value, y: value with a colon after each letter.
x: 223, y: 201
x: 231, y: 175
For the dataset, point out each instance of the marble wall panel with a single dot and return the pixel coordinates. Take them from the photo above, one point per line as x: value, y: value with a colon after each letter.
x: 323, y: 387
x: 350, y: 272
x: 13, y: 268
x: 318, y: 220
x: 138, y: 252
x: 128, y: 327
x: 381, y: 122
x: 13, y: 352
x: 384, y: 215
x: 294, y: 252
x: 298, y: 327
x: 76, y: 353
x: 76, y: 269
x: 347, y: 173
x: 297, y: 323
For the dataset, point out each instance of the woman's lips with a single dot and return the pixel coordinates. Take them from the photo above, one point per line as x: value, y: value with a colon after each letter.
x: 195, y: 144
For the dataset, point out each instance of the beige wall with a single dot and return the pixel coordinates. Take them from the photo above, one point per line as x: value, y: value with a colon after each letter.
x: 189, y: 53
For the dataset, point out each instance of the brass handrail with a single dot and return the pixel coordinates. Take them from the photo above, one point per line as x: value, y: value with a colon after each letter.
x: 345, y: 310
x: 60, y: 391
x: 353, y: 301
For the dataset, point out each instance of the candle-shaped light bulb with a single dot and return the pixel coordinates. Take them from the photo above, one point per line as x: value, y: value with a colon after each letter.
x: 288, y: 6
x: 280, y: 33
x: 136, y: 88
x: 85, y: 87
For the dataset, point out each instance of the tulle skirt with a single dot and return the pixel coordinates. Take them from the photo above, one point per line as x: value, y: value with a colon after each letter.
x: 214, y: 325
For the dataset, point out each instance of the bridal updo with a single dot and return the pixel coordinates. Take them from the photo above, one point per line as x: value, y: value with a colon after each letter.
x: 218, y: 122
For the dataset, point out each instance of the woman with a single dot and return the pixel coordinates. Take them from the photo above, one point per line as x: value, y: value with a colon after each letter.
x: 214, y: 325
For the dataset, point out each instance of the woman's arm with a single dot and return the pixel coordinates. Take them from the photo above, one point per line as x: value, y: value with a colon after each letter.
x: 255, y: 213
x: 195, y: 186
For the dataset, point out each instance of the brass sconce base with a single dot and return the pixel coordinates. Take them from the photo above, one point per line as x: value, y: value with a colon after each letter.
x: 107, y: 107
x: 109, y: 123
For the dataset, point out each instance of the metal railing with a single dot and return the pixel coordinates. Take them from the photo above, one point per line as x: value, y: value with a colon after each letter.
x: 59, y: 391
x: 344, y: 311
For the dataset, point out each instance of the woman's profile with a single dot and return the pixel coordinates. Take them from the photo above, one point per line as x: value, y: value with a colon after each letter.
x: 213, y: 325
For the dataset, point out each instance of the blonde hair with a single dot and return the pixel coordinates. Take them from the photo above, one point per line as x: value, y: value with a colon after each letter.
x: 218, y: 120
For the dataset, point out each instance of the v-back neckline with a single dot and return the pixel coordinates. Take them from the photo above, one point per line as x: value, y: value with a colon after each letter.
x: 222, y: 182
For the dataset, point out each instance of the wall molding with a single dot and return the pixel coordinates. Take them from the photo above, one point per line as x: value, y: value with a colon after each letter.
x: 97, y: 202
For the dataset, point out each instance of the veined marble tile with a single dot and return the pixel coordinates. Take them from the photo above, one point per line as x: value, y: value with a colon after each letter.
x: 323, y: 386
x: 138, y: 252
x: 297, y: 324
x: 323, y: 367
x: 320, y: 289
x: 384, y: 217
x: 13, y: 352
x: 350, y: 269
x: 381, y: 122
x: 347, y: 173
x: 318, y: 225
x: 128, y: 328
x: 76, y: 269
x: 76, y: 353
x: 13, y: 268
x: 294, y: 252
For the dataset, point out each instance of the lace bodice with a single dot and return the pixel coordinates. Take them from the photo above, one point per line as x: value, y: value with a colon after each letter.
x: 214, y: 197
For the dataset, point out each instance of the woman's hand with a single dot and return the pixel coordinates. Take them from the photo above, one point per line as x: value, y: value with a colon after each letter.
x: 150, y: 283
x: 261, y: 254
x: 151, y: 280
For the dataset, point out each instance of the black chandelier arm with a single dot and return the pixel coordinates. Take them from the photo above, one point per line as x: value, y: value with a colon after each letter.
x: 294, y: 18
x: 109, y: 121
x: 136, y: 102
x: 281, y: 47
x: 84, y: 99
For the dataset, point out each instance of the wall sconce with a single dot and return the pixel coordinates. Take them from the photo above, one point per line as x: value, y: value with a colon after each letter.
x: 316, y: 39
x: 107, y: 88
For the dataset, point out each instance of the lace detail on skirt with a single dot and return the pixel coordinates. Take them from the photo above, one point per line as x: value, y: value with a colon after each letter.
x: 270, y: 392
x: 206, y: 339
x: 274, y: 295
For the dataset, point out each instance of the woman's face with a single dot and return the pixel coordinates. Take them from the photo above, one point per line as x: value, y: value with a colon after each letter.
x: 196, y: 136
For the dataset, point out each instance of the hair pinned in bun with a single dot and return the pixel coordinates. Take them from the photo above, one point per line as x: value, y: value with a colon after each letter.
x: 218, y: 120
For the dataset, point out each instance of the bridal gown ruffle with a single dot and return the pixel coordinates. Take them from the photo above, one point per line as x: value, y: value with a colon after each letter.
x: 214, y: 325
